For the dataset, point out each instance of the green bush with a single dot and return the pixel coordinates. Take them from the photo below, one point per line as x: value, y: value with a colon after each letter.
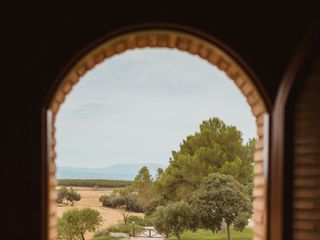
x: 105, y: 238
x: 119, y: 201
x: 143, y: 221
x: 121, y: 227
x: 104, y: 232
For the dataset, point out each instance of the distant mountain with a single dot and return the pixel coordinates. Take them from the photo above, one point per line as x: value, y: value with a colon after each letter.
x: 113, y: 172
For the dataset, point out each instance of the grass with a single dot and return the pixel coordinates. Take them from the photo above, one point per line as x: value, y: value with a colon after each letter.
x: 202, y: 234
x: 106, y: 238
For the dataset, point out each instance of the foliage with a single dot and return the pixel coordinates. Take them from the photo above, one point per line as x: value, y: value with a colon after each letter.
x: 121, y: 227
x: 102, y: 232
x: 121, y: 198
x: 217, y: 147
x: 94, y: 183
x: 143, y: 221
x: 69, y: 194
x: 72, y: 196
x: 105, y: 238
x: 125, y: 214
x: 174, y: 218
x: 202, y: 234
x: 62, y: 194
x: 220, y: 198
x: 142, y: 187
x: 75, y: 222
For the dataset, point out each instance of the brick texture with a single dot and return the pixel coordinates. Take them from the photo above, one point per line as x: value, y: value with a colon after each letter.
x: 185, y: 42
x: 306, y: 171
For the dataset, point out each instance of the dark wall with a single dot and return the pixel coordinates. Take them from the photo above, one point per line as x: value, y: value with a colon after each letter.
x: 41, y: 40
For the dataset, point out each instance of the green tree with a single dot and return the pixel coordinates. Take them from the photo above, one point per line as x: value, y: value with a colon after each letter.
x: 62, y: 194
x: 216, y: 148
x: 74, y: 223
x: 72, y: 196
x: 220, y: 198
x: 142, y: 187
x: 174, y: 218
x: 69, y: 194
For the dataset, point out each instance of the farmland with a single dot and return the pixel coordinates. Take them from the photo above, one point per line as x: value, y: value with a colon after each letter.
x: 90, y: 198
x: 103, y: 183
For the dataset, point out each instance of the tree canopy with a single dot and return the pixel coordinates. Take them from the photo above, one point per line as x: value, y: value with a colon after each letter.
x: 69, y: 194
x: 173, y: 218
x: 75, y: 222
x: 220, y: 198
x: 217, y: 147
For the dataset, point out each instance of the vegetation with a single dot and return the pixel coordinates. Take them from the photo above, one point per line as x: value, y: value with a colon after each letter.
x: 69, y: 194
x: 74, y: 223
x: 121, y: 198
x: 174, y: 219
x: 142, y: 187
x: 94, y: 183
x: 221, y: 199
x: 202, y: 234
x: 105, y: 238
x: 120, y: 227
x: 206, y: 189
x: 143, y: 221
x: 217, y: 148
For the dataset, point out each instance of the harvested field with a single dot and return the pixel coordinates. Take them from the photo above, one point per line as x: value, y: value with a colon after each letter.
x: 90, y: 198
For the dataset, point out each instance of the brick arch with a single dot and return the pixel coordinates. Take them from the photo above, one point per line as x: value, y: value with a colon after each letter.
x: 209, y: 50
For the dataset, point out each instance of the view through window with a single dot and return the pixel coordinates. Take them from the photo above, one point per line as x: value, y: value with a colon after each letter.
x: 155, y: 142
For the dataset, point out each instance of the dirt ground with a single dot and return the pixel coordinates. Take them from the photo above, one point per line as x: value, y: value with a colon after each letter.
x: 90, y: 198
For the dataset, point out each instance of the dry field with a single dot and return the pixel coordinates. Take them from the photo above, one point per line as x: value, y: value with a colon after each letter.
x: 90, y: 198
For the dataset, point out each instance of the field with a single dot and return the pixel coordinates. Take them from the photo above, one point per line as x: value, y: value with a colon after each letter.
x: 104, y: 183
x: 90, y: 198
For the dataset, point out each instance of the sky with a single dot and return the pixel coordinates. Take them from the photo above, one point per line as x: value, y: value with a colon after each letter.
x: 138, y: 106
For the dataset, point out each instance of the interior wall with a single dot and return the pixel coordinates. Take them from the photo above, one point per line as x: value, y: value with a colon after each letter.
x: 41, y: 40
x: 306, y: 155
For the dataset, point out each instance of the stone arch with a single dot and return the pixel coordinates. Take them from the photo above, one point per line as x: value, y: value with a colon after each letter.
x: 207, y: 48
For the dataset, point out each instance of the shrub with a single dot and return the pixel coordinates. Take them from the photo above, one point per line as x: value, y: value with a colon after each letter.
x: 122, y: 228
x: 143, y: 221
x: 104, y: 232
x: 69, y: 194
x: 119, y: 201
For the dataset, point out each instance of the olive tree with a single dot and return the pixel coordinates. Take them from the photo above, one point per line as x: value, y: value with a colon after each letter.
x: 74, y: 223
x: 174, y: 218
x: 220, y: 198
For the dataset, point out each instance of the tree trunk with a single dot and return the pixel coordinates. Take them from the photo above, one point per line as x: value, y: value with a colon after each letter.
x: 82, y: 236
x: 228, y: 231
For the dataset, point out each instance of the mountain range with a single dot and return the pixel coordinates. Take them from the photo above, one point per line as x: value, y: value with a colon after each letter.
x: 112, y: 172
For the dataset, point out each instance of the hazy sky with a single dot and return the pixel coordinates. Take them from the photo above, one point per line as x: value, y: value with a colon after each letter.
x: 140, y: 105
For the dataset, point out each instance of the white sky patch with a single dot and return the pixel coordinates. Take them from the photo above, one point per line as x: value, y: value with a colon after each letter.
x: 138, y: 106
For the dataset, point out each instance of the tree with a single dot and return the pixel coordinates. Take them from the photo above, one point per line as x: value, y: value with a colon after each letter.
x: 142, y: 187
x: 220, y: 198
x: 69, y: 194
x: 174, y: 219
x: 74, y: 223
x: 72, y: 196
x: 216, y: 148
x: 62, y: 194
